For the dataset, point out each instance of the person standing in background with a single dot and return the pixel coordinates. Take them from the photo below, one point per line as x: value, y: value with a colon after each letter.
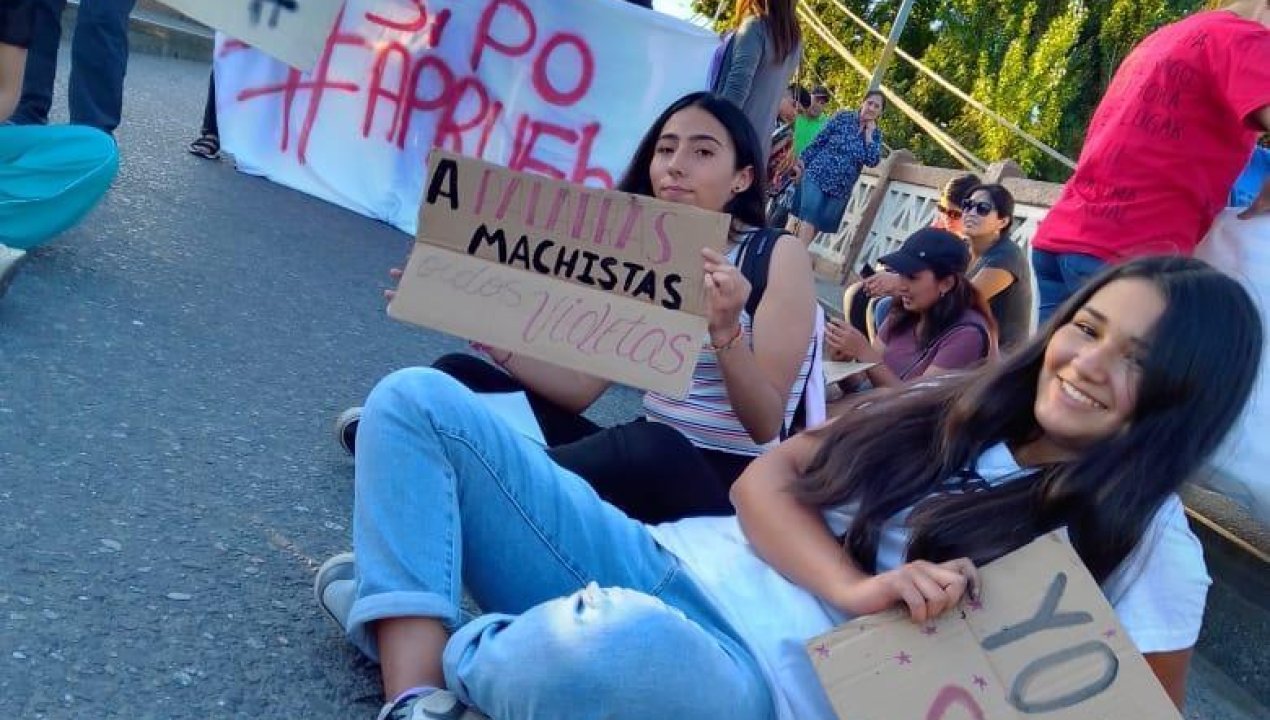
x: 831, y: 166
x: 99, y: 61
x: 207, y: 144
x: 811, y: 121
x: 782, y: 164
x: 759, y: 61
x: 1171, y: 134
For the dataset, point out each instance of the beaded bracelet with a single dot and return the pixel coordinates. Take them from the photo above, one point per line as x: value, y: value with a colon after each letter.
x: 732, y: 342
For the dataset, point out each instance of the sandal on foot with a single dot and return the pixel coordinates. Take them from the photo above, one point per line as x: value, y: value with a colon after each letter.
x: 207, y: 146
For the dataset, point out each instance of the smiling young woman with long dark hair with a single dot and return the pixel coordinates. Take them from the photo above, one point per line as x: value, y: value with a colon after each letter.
x: 1092, y: 426
x: 681, y: 457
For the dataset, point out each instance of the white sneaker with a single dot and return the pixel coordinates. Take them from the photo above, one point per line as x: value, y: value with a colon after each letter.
x: 10, y: 259
x: 431, y: 705
x: 346, y: 428
x: 335, y: 588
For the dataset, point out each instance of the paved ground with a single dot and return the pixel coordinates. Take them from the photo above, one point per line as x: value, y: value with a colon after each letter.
x: 168, y: 375
x: 168, y: 482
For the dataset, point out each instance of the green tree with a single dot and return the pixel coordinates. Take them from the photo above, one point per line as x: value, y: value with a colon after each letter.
x: 1027, y: 84
x: 1042, y: 64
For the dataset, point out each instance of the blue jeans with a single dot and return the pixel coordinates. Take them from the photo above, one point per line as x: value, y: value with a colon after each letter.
x: 448, y: 496
x: 99, y: 60
x: 1059, y: 276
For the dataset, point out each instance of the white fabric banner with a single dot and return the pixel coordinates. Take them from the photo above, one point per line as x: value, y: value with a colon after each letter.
x: 1241, y: 248
x: 564, y: 88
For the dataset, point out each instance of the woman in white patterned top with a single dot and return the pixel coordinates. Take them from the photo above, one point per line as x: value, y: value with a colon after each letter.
x: 750, y: 371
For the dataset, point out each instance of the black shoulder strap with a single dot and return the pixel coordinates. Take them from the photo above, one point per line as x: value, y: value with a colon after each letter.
x: 754, y: 261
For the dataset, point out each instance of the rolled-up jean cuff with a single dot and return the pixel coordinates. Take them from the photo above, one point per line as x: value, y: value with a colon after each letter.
x: 462, y: 642
x: 396, y: 605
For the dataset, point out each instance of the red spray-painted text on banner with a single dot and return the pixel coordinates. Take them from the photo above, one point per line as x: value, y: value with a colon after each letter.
x: 562, y: 89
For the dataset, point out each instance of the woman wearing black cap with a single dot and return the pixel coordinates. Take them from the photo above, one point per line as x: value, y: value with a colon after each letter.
x: 940, y: 323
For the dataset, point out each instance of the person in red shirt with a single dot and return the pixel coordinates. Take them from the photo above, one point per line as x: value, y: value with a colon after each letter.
x: 1163, y: 148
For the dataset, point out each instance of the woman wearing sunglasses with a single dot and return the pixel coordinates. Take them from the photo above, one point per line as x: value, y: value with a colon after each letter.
x: 998, y: 267
x: 886, y: 284
x: 938, y: 322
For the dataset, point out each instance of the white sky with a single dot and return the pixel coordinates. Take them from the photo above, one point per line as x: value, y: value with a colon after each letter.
x: 678, y: 8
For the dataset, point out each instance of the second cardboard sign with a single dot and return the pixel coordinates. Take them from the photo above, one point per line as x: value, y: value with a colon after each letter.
x: 603, y: 282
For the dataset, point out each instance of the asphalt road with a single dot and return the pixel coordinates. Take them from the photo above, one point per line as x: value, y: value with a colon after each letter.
x: 169, y: 482
x: 169, y: 371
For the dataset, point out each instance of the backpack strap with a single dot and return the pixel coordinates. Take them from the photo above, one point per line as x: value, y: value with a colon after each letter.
x: 754, y: 260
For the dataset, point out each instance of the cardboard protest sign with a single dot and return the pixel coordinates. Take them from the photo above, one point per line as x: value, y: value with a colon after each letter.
x: 836, y: 370
x: 294, y: 31
x: 595, y: 280
x: 1041, y: 643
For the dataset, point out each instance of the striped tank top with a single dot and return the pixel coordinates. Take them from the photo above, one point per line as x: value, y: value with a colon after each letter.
x: 706, y: 416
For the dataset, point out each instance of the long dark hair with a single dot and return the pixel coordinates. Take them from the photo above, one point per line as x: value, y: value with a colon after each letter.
x: 1002, y: 200
x: 945, y: 313
x: 1195, y: 381
x: 782, y: 24
x: 747, y: 206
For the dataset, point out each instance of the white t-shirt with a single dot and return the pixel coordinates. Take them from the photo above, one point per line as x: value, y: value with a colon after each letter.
x: 1158, y: 592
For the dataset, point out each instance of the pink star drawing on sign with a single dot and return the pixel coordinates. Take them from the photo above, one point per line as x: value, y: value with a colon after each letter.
x: 904, y: 658
x: 930, y: 630
x: 983, y: 684
x: 822, y: 650
x: 1110, y: 633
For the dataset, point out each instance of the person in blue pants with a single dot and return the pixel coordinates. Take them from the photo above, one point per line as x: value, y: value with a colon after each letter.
x: 99, y: 60
x: 49, y: 176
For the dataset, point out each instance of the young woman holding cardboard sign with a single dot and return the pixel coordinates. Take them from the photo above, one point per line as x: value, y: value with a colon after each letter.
x: 750, y: 373
x: 1092, y: 425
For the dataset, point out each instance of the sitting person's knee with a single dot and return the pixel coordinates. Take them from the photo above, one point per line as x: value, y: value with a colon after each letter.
x: 578, y: 634
x: 410, y: 387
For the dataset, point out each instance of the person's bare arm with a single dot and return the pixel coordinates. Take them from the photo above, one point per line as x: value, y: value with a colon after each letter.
x: 846, y: 343
x: 790, y: 536
x: 1170, y: 669
x: 759, y: 381
x: 794, y: 539
x: 991, y: 281
x: 12, y: 66
x: 572, y: 390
